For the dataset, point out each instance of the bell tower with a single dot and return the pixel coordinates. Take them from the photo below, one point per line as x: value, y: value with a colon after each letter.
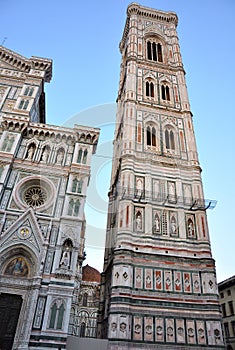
x: 159, y: 281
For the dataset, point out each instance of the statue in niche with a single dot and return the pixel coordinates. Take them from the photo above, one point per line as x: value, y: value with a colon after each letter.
x: 45, y: 154
x: 139, y: 221
x: 59, y: 157
x: 156, y: 223
x: 173, y: 225
x: 190, y: 228
x: 65, y: 259
x: 66, y: 254
x: 30, y: 152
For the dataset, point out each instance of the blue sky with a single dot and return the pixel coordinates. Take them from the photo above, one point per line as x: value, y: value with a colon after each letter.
x: 82, y: 38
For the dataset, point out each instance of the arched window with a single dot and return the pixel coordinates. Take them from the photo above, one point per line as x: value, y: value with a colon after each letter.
x: 70, y: 208
x: 56, y: 315
x: 28, y: 91
x: 149, y: 89
x: 73, y: 208
x: 76, y: 207
x: 23, y: 104
x: 165, y: 91
x: 169, y: 139
x: 84, y: 159
x: 151, y: 136
x: 84, y: 299
x: 79, y: 187
x: 74, y: 185
x: 154, y: 51
x: 80, y: 153
x: 82, y: 330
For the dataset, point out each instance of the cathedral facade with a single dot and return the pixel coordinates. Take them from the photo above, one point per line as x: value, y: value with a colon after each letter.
x: 44, y: 174
x: 158, y: 287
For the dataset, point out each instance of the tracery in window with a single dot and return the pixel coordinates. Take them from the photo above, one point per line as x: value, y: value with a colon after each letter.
x: 23, y: 104
x: 154, y: 51
x: 169, y: 139
x: 73, y: 209
x: 82, y: 156
x: 151, y: 136
x: 28, y: 91
x: 35, y: 196
x: 77, y: 185
x: 149, y: 89
x: 165, y: 91
x: 57, y: 315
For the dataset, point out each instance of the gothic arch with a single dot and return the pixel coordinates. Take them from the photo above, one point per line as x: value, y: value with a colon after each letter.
x: 19, y: 261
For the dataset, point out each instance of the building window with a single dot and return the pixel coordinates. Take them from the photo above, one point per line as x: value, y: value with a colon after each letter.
x: 82, y: 156
x: 233, y: 327
x: 169, y: 139
x: 165, y: 90
x: 221, y: 295
x: 23, y: 104
x: 224, y: 310
x: 231, y: 309
x: 84, y: 299
x: 82, y: 330
x: 151, y: 136
x: 149, y: 89
x: 229, y: 292
x: 73, y: 208
x: 77, y: 185
x: 154, y: 51
x: 56, y: 315
x: 226, y: 329
x: 28, y: 91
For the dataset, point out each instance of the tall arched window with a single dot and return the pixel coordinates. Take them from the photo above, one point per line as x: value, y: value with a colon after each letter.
x: 84, y: 299
x: 74, y: 185
x: 84, y: 159
x: 151, y: 136
x: 80, y: 153
x: 82, y: 330
x: 56, y: 315
x: 154, y: 51
x: 149, y: 89
x: 165, y: 91
x: 169, y: 139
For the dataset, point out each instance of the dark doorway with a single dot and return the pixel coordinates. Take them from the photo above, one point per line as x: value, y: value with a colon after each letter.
x: 10, y: 306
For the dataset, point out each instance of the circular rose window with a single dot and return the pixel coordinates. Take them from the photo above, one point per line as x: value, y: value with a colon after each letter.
x: 35, y: 196
x: 34, y: 191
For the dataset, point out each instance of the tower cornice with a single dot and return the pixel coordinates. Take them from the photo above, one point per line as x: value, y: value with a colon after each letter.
x: 147, y: 13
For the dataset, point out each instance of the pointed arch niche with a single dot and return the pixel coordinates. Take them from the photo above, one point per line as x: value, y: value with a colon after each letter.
x: 152, y: 136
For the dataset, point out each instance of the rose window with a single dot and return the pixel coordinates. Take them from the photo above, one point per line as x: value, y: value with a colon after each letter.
x: 35, y: 196
x: 36, y: 192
